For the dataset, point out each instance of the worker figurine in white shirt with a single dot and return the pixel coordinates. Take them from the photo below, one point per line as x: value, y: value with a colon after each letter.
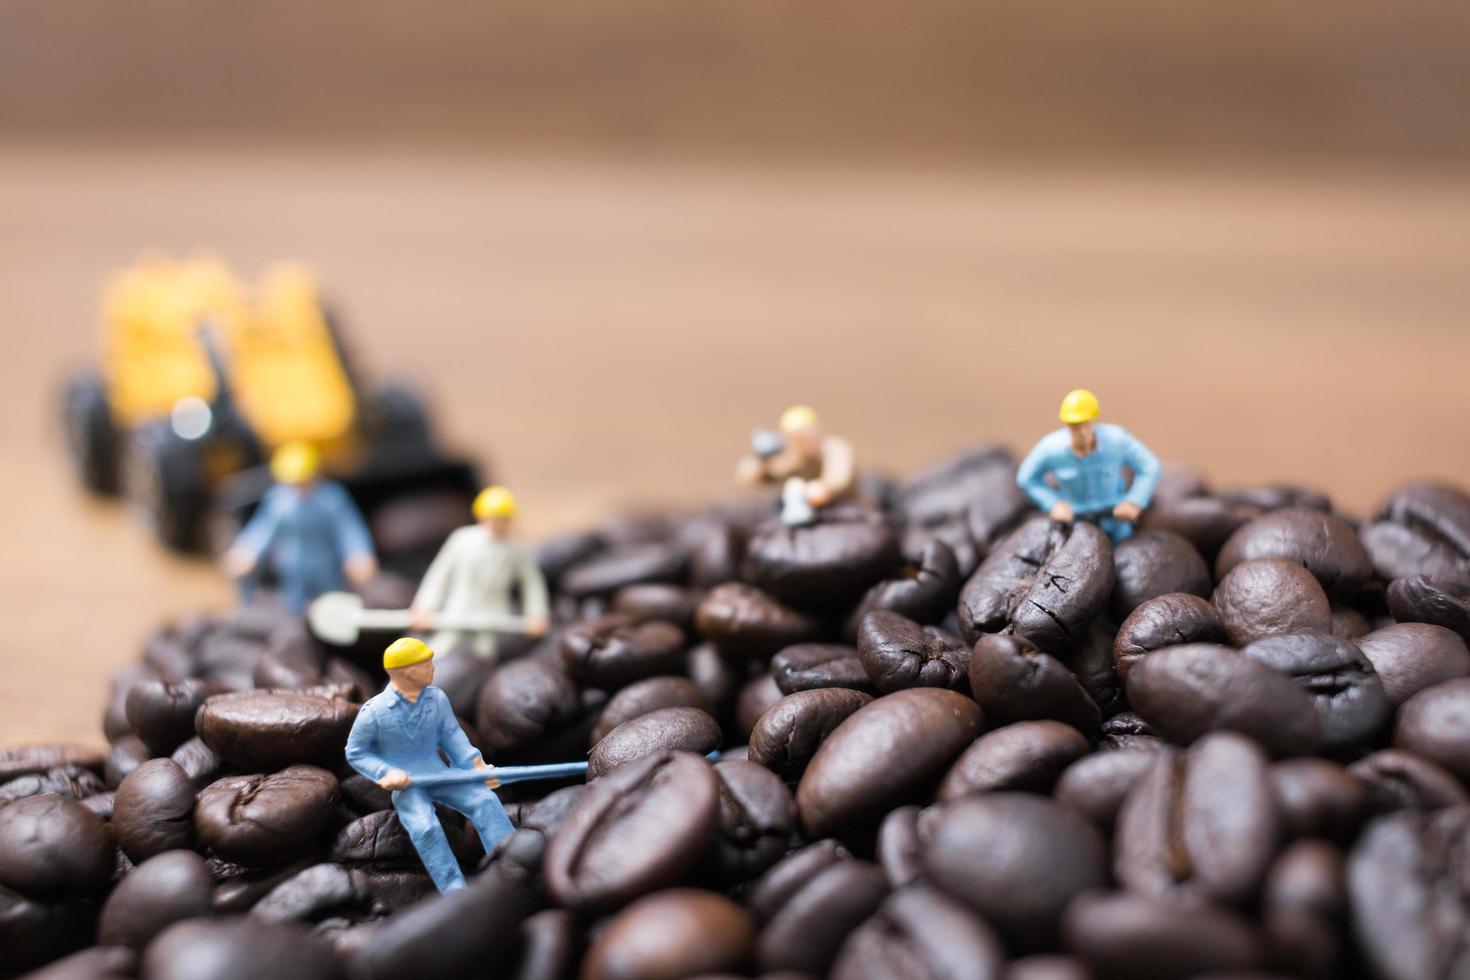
x: 474, y: 573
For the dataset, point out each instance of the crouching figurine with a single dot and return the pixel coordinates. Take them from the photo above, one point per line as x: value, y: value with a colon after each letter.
x: 396, y: 740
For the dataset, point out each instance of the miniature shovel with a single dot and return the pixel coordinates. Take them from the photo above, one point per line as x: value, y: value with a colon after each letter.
x: 514, y: 774
x: 339, y: 617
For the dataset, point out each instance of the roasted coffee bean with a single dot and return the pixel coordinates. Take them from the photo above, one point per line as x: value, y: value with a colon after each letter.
x: 200, y: 763
x: 524, y: 705
x: 922, y: 934
x: 266, y: 730
x: 809, y: 903
x: 687, y: 729
x: 651, y: 694
x: 1205, y: 522
x: 54, y: 846
x: 1399, y: 780
x: 668, y: 603
x: 153, y: 810
x: 715, y: 677
x: 909, y: 736
x: 26, y: 760
x: 1165, y: 621
x: 379, y: 839
x: 1410, y: 657
x: 1155, y: 563
x: 1410, y: 908
x: 755, y: 699
x: 1276, y: 496
x: 101, y: 804
x: 1349, y: 624
x: 1135, y: 937
x: 899, y: 846
x: 1422, y: 529
x: 757, y: 819
x: 830, y: 562
x: 1126, y: 730
x: 923, y: 589
x: 639, y: 828
x: 671, y: 934
x: 1318, y: 798
x: 744, y: 622
x: 324, y: 891
x: 126, y: 754
x: 237, y: 949
x: 556, y: 554
x: 1043, y: 966
x: 1435, y: 723
x: 898, y: 653
x: 1350, y: 702
x: 159, y: 892
x: 1096, y: 785
x: 716, y: 552
x: 1091, y: 661
x: 619, y: 567
x: 808, y: 666
x: 949, y: 488
x: 72, y: 782
x: 1013, y: 681
x: 548, y: 946
x: 362, y: 794
x: 1028, y: 756
x: 1304, y: 897
x: 1015, y: 859
x: 1324, y: 544
x: 34, y: 931
x: 97, y: 963
x: 1441, y: 601
x: 1201, y: 823
x: 617, y: 650
x: 237, y: 888
x: 1045, y: 580
x: 1188, y: 690
x: 789, y: 733
x: 1263, y: 596
x: 265, y: 820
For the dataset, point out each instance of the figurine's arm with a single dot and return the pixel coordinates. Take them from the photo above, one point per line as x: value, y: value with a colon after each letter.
x: 1031, y: 477
x: 452, y: 738
x: 1146, y: 471
x: 839, y: 466
x: 434, y: 588
x: 260, y: 530
x: 360, y: 742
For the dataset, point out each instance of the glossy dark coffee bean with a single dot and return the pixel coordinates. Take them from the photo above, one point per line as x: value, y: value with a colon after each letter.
x: 379, y: 839
x: 1200, y: 823
x: 831, y: 562
x: 1126, y: 730
x: 1399, y: 780
x: 97, y: 963
x: 686, y: 729
x: 681, y: 932
x: 1091, y: 661
x: 668, y: 603
x: 153, y: 810
x: 1442, y: 601
x: 266, y: 730
x: 789, y: 733
x: 1154, y: 563
x: 162, y: 890
x: 1096, y: 785
x: 237, y: 949
x: 1045, y: 580
x: 73, y: 782
x: 265, y: 820
x: 1027, y: 756
x: 898, y: 653
x: 613, y: 651
x: 1435, y: 723
x: 1275, y: 496
x: 326, y: 891
x: 525, y: 704
x: 1017, y: 860
x: 756, y: 697
x: 1410, y: 657
x: 619, y: 567
x: 809, y: 904
x: 909, y: 736
x: 924, y: 588
x: 548, y: 946
x: 1406, y: 878
x: 808, y: 666
x: 757, y: 820
x: 1044, y: 966
x: 1318, y: 798
x: 1351, y: 705
x: 1013, y: 681
x: 746, y: 623
x: 949, y: 488
x: 126, y: 754
x: 1324, y: 544
x: 1165, y: 621
x: 639, y: 828
x: 899, y: 845
x: 200, y: 763
x: 556, y: 554
x: 1304, y: 897
x: 650, y: 694
x: 1264, y: 596
x: 51, y: 846
x: 101, y: 804
x: 716, y: 677
x: 1186, y: 691
x: 921, y: 934
x: 1205, y: 522
x: 26, y: 760
x: 1135, y: 937
x: 35, y: 931
x: 1422, y: 529
x: 1349, y: 624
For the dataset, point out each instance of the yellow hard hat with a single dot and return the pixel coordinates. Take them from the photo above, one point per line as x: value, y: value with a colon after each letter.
x: 295, y: 462
x: 1080, y: 405
x: 797, y: 418
x: 405, y: 652
x: 496, y: 501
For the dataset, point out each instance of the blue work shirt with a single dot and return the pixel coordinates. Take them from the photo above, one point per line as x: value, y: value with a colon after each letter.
x: 307, y: 536
x: 392, y: 732
x: 1091, y: 483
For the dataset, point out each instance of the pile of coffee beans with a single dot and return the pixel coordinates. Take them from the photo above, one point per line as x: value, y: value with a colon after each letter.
x: 959, y: 740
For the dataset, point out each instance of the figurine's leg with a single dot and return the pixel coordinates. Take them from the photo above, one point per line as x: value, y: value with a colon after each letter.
x: 293, y: 592
x: 483, y: 644
x: 1115, y: 529
x: 482, y: 807
x: 416, y: 813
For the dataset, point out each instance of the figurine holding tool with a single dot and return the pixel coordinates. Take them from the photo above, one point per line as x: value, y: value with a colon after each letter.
x: 815, y: 469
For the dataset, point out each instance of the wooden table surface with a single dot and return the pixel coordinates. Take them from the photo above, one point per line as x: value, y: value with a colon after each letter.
x: 607, y: 332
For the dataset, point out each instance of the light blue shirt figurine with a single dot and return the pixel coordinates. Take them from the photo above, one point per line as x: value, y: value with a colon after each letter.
x: 1086, y: 459
x: 396, y: 739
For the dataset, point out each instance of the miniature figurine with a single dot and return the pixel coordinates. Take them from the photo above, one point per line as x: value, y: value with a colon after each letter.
x: 309, y: 530
x: 816, y: 470
x: 1086, y: 460
x: 396, y: 742
x: 472, y: 576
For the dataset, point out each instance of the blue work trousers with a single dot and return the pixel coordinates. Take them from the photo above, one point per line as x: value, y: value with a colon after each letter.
x: 415, y: 807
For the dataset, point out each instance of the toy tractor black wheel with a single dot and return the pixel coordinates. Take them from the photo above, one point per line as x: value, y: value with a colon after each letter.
x: 91, y: 439
x: 397, y: 417
x: 164, y: 478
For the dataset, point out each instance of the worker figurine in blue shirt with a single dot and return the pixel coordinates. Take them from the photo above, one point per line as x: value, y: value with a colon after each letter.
x: 308, y: 529
x: 1086, y: 460
x: 398, y: 736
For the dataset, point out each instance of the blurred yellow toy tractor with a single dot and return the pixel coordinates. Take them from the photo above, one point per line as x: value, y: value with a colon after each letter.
x: 202, y: 378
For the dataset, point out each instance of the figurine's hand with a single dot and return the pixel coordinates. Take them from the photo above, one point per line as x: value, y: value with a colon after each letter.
x: 420, y: 618
x: 1128, y: 511
x: 494, y: 781
x: 237, y: 563
x: 1061, y: 511
x: 396, y: 779
x: 537, y: 626
x: 817, y: 493
x: 750, y: 471
x: 360, y: 568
